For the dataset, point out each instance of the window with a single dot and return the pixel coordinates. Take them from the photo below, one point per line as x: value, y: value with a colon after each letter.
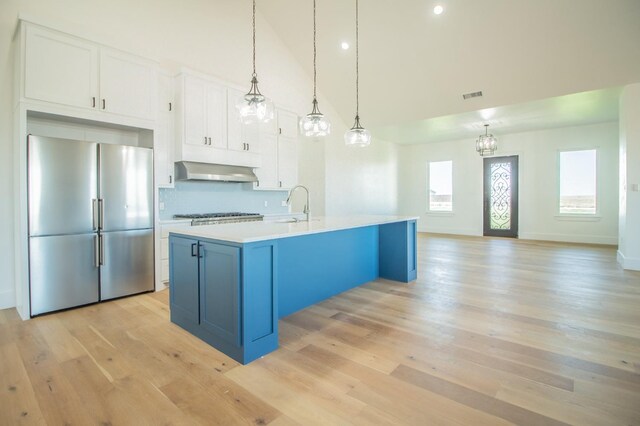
x: 440, y: 186
x: 578, y: 182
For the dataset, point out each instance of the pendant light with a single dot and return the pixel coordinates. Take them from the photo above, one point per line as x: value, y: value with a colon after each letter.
x: 486, y: 144
x: 254, y: 107
x: 358, y: 135
x: 315, y: 125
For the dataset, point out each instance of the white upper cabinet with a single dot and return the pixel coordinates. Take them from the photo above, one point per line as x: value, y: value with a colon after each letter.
x: 128, y: 84
x: 287, y: 124
x: 208, y: 129
x: 279, y: 170
x: 240, y: 137
x: 70, y: 71
x: 60, y: 68
x: 164, y: 134
x: 217, y: 115
x: 268, y: 173
x: 287, y: 162
x: 204, y: 104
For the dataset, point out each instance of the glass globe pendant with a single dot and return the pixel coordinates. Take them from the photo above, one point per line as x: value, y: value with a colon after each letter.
x: 254, y: 107
x: 357, y: 136
x: 315, y: 125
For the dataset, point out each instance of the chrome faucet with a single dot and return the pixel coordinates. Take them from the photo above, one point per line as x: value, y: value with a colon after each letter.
x: 307, y: 207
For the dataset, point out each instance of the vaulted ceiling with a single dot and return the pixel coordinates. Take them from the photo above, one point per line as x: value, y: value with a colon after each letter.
x: 415, y: 65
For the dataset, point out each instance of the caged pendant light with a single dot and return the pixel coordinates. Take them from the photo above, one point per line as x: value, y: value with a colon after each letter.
x: 254, y: 107
x: 315, y: 125
x: 486, y: 144
x: 357, y: 135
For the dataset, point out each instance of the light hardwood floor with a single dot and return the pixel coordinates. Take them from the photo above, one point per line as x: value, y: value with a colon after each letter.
x: 494, y: 331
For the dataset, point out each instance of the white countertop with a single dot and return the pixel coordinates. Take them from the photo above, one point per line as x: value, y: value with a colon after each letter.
x: 249, y: 232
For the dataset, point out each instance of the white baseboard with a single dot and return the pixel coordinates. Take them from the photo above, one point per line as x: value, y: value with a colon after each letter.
x: 632, y: 263
x: 571, y: 238
x: 7, y: 299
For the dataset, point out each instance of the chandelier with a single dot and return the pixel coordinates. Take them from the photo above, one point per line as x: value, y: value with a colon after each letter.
x: 486, y: 144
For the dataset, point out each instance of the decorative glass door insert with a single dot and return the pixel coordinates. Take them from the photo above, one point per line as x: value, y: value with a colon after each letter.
x: 501, y: 196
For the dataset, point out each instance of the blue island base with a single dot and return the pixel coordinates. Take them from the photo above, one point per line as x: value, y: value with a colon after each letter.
x: 231, y: 295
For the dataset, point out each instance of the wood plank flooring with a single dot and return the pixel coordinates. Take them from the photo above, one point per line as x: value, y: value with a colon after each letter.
x: 494, y: 331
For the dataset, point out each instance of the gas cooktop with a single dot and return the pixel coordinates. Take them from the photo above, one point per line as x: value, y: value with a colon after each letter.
x: 218, y: 218
x: 213, y: 215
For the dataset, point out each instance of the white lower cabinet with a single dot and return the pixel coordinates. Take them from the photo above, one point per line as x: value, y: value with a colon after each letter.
x: 164, y: 248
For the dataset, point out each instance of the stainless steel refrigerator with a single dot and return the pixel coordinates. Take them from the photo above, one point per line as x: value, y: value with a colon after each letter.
x: 90, y: 222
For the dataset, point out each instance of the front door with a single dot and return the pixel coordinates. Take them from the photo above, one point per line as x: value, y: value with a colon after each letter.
x: 501, y: 196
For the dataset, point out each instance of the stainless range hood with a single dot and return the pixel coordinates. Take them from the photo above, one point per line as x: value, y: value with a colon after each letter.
x: 189, y: 170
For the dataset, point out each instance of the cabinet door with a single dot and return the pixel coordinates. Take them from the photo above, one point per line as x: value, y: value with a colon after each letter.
x: 288, y: 124
x: 128, y: 84
x: 195, y: 111
x: 60, y: 68
x: 216, y: 115
x: 240, y: 137
x: 234, y: 127
x: 287, y: 162
x: 163, y: 137
x: 267, y: 173
x: 183, y: 278
x: 220, y: 291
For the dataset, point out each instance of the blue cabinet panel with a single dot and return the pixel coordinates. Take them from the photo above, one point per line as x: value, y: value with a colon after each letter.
x: 315, y: 267
x: 220, y: 291
x: 260, y: 307
x: 183, y: 278
x: 398, y: 251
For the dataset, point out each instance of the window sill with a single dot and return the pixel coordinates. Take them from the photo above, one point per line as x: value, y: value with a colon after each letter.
x: 578, y: 217
x: 439, y: 213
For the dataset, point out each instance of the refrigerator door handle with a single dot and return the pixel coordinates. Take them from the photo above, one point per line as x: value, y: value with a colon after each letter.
x: 101, y: 213
x: 94, y: 211
x: 96, y: 251
x: 101, y: 249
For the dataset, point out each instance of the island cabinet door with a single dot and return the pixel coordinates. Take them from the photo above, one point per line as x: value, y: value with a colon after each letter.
x: 183, y: 279
x: 220, y: 291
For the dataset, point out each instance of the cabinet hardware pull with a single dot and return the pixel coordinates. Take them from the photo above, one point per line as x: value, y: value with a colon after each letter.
x: 280, y: 184
x: 96, y: 251
x: 205, y: 140
x: 94, y: 211
x: 280, y: 130
x: 104, y: 103
x: 100, y: 213
x: 101, y: 250
x: 209, y: 141
x: 93, y: 102
x: 247, y: 147
x: 200, y: 254
x: 170, y: 106
x: 194, y: 250
x: 170, y: 179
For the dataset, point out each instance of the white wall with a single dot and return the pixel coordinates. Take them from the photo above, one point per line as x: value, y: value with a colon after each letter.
x: 214, y: 37
x: 629, y: 224
x: 538, y: 184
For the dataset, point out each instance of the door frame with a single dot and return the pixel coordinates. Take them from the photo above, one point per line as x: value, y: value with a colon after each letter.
x: 486, y: 217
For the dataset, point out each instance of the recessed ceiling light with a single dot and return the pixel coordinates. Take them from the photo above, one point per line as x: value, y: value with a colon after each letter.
x: 344, y: 45
x: 438, y: 9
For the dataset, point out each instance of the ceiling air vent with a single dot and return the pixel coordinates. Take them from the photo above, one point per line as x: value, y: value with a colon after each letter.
x: 472, y: 95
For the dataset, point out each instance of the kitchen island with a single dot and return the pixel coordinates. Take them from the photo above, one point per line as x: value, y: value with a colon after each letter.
x: 229, y: 284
